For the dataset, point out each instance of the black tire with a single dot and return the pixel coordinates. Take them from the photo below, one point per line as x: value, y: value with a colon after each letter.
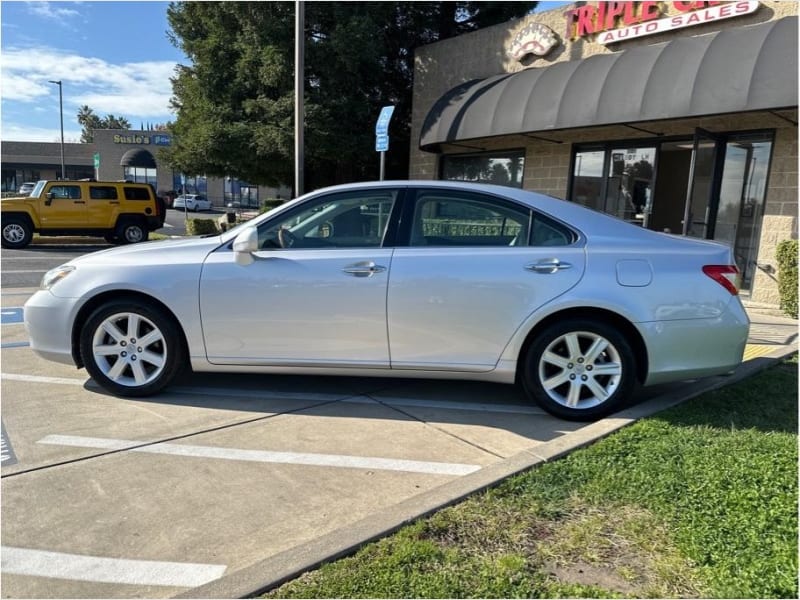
x: 131, y: 232
x: 145, y: 368
x: 16, y: 232
x: 580, y: 370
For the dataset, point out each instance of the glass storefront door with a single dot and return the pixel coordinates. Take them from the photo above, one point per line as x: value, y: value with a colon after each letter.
x: 711, y: 187
x: 701, y: 194
x: 741, y: 199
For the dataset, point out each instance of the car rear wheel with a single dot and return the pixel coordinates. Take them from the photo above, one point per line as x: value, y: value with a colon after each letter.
x: 131, y: 232
x: 17, y: 232
x: 580, y: 370
x: 131, y: 349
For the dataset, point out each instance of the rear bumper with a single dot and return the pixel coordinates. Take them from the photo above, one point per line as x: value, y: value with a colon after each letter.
x: 694, y: 348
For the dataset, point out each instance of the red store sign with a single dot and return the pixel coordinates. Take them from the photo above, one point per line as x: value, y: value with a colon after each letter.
x: 643, y: 18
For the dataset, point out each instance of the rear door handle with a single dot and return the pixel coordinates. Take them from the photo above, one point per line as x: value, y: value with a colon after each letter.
x: 366, y: 268
x: 548, y: 265
x: 79, y: 202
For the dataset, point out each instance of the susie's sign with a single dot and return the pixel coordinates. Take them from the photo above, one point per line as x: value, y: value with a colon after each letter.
x: 619, y: 21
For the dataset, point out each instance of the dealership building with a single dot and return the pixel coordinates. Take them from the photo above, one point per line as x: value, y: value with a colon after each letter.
x: 676, y: 116
x: 116, y: 154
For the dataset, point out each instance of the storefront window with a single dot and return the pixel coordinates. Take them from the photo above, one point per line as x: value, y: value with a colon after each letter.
x: 498, y: 168
x: 141, y: 175
x: 240, y: 193
x: 587, y: 181
x: 617, y: 180
x: 190, y: 184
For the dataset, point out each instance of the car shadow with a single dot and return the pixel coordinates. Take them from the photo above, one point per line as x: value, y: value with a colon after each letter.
x: 443, y: 402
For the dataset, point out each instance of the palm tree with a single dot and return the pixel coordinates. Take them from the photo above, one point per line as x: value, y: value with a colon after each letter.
x: 89, y: 121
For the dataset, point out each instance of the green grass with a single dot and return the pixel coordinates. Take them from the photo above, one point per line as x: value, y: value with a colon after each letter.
x: 697, y: 501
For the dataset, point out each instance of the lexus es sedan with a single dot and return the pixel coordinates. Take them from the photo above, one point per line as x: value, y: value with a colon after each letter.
x: 406, y: 279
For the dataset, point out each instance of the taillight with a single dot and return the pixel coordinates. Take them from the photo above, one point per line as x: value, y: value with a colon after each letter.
x: 725, y: 275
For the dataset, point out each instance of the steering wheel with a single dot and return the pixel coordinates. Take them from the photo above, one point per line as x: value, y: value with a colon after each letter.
x: 286, y: 238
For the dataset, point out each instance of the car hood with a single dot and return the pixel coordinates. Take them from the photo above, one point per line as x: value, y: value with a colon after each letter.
x: 155, y: 252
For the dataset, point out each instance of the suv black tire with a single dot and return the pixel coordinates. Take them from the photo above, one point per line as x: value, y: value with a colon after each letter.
x: 16, y: 232
x: 131, y: 231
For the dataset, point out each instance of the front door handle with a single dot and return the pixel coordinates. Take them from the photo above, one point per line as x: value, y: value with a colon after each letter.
x: 548, y: 265
x: 366, y: 268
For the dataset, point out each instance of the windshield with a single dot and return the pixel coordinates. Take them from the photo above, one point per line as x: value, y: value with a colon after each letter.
x: 37, y: 189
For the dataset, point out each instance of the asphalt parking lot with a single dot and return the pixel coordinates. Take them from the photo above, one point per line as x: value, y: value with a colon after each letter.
x: 190, y: 492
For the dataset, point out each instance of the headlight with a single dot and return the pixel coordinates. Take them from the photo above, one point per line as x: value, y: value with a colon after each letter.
x: 53, y: 276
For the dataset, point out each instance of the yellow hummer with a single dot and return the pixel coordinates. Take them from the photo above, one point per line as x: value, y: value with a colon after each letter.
x: 119, y: 211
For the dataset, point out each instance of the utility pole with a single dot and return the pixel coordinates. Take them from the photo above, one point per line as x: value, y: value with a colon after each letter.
x: 299, y: 89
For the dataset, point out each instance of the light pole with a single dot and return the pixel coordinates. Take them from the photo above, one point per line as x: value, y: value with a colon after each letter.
x: 299, y: 100
x: 61, y: 114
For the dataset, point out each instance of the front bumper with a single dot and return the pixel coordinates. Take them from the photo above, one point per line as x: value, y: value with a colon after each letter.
x: 48, y: 321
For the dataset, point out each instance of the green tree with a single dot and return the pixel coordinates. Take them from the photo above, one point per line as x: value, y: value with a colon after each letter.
x: 235, y: 101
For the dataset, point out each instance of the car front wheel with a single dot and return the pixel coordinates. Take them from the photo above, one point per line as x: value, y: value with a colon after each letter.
x: 132, y: 349
x: 580, y: 370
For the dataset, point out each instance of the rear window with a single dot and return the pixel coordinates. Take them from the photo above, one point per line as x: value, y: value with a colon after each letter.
x: 102, y: 192
x: 137, y: 193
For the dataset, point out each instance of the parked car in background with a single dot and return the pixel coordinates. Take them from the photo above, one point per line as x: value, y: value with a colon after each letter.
x: 193, y: 202
x: 121, y: 212
x: 26, y: 188
x: 406, y: 279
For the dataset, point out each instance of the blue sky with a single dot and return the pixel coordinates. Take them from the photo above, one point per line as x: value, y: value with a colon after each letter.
x: 112, y: 56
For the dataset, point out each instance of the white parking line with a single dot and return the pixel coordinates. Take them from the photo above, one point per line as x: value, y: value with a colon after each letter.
x: 41, y: 563
x: 42, y: 379
x: 265, y: 456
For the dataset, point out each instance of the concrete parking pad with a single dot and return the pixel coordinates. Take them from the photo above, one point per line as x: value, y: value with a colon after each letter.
x: 226, y: 483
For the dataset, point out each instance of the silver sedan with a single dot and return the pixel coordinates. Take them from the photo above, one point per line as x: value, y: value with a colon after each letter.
x: 406, y: 279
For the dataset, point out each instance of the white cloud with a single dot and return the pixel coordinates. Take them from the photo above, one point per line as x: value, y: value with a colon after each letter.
x: 133, y: 90
x: 24, y: 133
x: 49, y: 10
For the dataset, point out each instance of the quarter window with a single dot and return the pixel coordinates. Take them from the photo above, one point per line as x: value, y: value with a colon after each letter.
x: 136, y: 193
x: 102, y: 192
x: 447, y: 219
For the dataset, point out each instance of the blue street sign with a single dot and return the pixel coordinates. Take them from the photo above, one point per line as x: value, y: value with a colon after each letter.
x: 382, y: 126
x: 381, y: 143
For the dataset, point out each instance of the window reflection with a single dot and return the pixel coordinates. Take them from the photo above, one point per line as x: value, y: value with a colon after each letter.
x: 498, y: 168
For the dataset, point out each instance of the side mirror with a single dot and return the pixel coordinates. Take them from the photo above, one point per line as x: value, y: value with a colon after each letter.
x: 49, y: 196
x: 244, y: 245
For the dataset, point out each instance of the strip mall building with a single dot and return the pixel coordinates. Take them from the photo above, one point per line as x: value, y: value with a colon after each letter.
x: 676, y: 116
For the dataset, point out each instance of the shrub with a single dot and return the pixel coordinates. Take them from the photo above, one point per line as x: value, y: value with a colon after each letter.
x: 787, y: 276
x: 269, y: 204
x: 201, y: 226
